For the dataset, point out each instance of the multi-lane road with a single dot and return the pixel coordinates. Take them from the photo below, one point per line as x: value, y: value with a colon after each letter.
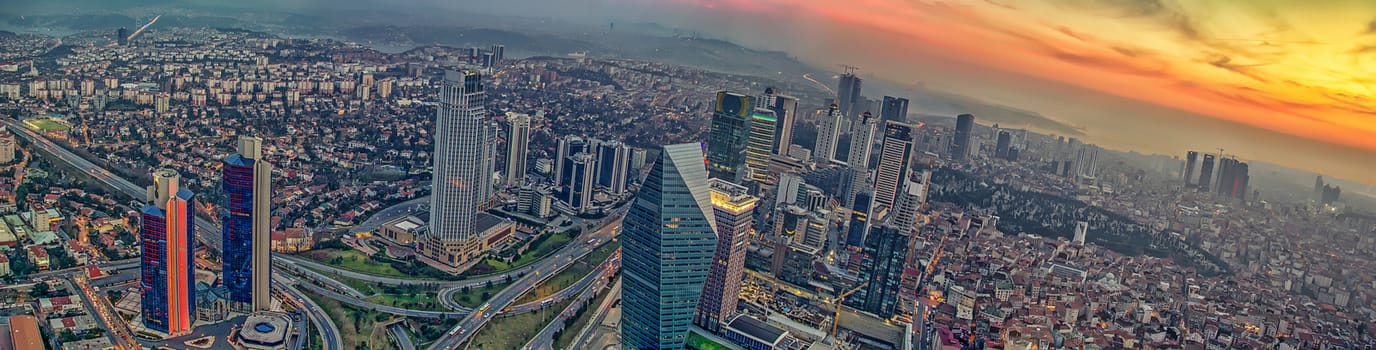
x: 328, y: 332
x: 543, y: 269
x: 545, y: 339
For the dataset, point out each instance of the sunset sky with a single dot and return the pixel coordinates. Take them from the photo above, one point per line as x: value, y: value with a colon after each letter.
x: 1289, y: 82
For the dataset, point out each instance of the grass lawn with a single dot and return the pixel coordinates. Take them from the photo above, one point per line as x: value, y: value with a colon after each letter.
x: 697, y: 341
x: 566, y: 337
x: 513, y: 332
x: 354, y: 260
x: 48, y: 125
x: 549, y: 245
x: 570, y: 275
x: 365, y: 287
x: 474, y: 297
x: 421, y: 300
x: 355, y: 325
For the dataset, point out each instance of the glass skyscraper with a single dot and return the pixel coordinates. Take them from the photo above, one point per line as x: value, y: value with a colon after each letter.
x: 167, y: 267
x: 246, y: 236
x: 729, y: 133
x: 669, y: 236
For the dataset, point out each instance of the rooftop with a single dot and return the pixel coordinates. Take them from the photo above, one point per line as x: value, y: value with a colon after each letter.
x: 758, y: 329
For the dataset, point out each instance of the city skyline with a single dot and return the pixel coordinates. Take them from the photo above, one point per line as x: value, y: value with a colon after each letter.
x: 1246, y: 73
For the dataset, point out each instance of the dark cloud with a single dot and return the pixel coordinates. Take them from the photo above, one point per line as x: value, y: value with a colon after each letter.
x: 1371, y: 28
x: 1365, y: 49
x: 1226, y: 63
x: 1158, y: 10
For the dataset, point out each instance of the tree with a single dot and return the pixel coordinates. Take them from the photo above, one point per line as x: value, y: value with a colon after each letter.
x: 40, y: 289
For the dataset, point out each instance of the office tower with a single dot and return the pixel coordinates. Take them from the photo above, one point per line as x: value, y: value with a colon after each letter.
x: 787, y: 189
x: 122, y: 36
x: 848, y: 95
x: 167, y: 266
x: 729, y: 133
x: 1206, y: 172
x: 489, y: 163
x: 569, y: 145
x: 6, y: 149
x: 498, y: 53
x: 828, y: 131
x: 460, y: 131
x: 1318, y: 188
x: 786, y: 110
x: 895, y: 162
x: 517, y: 144
x: 859, y: 224
x: 1081, y: 232
x: 760, y: 146
x: 1087, y: 162
x: 965, y: 131
x: 1240, y: 179
x: 910, y: 200
x: 247, y: 238
x: 669, y: 236
x: 613, y: 161
x: 894, y: 109
x: 1223, y: 185
x: 816, y: 232
x: 582, y: 176
x: 734, y: 209
x: 881, y: 270
x: 1005, y: 140
x: 1190, y: 158
x: 858, y: 160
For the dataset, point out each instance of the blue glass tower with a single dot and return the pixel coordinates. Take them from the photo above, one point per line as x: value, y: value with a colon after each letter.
x: 246, y: 236
x: 669, y: 240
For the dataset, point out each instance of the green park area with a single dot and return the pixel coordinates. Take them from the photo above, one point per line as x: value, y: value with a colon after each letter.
x: 473, y: 297
x: 356, y: 326
x: 513, y: 332
x: 354, y: 260
x: 48, y: 125
x: 409, y: 298
x: 571, y: 274
x: 540, y: 247
x: 699, y: 342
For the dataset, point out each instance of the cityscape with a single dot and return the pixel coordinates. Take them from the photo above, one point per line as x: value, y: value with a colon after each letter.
x: 236, y: 177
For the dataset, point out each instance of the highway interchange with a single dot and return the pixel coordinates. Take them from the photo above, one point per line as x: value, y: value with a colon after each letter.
x: 208, y: 233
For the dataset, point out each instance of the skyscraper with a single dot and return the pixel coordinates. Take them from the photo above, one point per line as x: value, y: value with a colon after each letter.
x: 460, y: 133
x: 669, y: 236
x: 582, y: 176
x: 247, y: 238
x: 960, y: 143
x: 859, y: 224
x: 895, y: 160
x: 881, y: 269
x: 733, y: 208
x: 1005, y: 140
x: 122, y: 36
x: 858, y: 160
x: 167, y: 267
x: 729, y: 133
x: 1191, y: 158
x: 517, y: 143
x: 613, y: 162
x: 894, y: 109
x: 1206, y: 172
x: 828, y: 131
x: 569, y: 145
x: 786, y: 110
x: 848, y: 95
x: 760, y: 146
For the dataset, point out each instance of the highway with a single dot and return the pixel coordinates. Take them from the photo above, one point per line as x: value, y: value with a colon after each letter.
x: 206, y: 232
x: 545, y: 339
x: 585, y: 334
x: 403, y: 340
x: 592, y: 276
x: 379, y: 307
x: 414, y: 206
x: 543, y: 269
x: 322, y: 322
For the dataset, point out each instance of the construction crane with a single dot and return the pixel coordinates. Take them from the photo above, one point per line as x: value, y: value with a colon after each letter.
x: 836, y: 321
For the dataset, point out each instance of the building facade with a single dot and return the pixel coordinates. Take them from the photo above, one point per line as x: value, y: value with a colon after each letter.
x: 247, y: 238
x: 895, y: 162
x: 728, y: 135
x: 517, y: 144
x: 734, y: 208
x: 669, y: 236
x: 460, y: 134
x: 167, y: 267
x: 828, y: 132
